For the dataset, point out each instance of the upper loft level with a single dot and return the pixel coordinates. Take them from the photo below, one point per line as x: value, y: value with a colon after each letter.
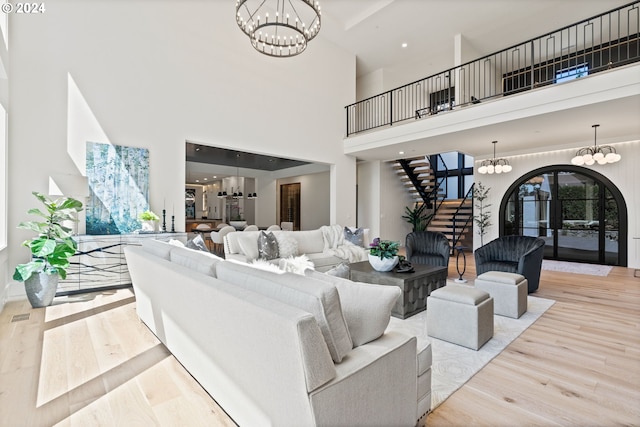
x: 576, y: 52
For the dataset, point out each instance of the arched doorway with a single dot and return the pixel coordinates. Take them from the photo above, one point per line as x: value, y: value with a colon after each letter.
x: 579, y: 212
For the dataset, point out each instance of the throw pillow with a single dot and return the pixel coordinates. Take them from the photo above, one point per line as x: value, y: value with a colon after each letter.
x: 296, y: 265
x: 248, y: 243
x: 355, y: 236
x: 287, y: 245
x: 265, y: 265
x: 267, y: 246
x: 340, y: 270
x: 366, y: 307
x: 197, y: 243
x: 316, y: 297
x: 176, y: 242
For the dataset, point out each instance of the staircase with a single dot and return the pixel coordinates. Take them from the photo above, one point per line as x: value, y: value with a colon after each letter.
x: 451, y: 217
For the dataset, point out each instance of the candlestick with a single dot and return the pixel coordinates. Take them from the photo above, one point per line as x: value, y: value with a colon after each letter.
x: 173, y: 225
x: 164, y: 220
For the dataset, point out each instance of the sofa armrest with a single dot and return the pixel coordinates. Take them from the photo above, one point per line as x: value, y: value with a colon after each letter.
x: 376, y: 381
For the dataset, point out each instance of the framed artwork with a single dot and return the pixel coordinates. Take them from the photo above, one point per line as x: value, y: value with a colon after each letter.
x: 118, y: 188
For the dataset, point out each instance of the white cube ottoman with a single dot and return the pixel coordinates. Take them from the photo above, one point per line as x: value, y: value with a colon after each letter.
x: 508, y: 290
x: 460, y: 314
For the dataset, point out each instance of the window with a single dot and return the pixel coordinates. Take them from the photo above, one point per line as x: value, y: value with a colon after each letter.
x: 3, y: 177
x: 572, y: 73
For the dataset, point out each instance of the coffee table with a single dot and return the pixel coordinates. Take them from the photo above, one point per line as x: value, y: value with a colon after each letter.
x: 415, y: 286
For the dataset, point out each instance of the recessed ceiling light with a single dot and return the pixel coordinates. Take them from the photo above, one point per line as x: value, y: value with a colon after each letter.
x: 197, y: 180
x: 400, y: 152
x: 206, y: 179
x: 214, y: 177
x: 404, y: 45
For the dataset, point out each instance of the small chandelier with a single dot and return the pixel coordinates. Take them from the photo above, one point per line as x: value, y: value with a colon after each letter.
x: 602, y: 155
x: 494, y: 165
x: 279, y: 28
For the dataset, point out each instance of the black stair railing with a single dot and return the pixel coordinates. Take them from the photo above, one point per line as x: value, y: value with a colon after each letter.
x: 596, y: 44
x: 467, y: 222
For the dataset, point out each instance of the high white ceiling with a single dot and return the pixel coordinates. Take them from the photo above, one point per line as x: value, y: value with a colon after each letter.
x: 374, y: 30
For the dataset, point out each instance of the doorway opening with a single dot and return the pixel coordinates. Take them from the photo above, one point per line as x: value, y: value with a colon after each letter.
x: 290, y: 204
x: 579, y: 212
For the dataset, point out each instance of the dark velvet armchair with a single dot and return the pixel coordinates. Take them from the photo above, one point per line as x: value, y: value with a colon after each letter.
x: 428, y: 247
x: 513, y: 254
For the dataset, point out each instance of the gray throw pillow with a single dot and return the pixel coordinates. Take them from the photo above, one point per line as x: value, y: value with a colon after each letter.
x: 267, y: 246
x: 354, y: 236
x: 197, y: 243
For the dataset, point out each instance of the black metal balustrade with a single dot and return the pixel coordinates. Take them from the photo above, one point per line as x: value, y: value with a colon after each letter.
x: 599, y: 43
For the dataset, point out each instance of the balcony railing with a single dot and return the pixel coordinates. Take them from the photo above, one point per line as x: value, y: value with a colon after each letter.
x: 599, y: 43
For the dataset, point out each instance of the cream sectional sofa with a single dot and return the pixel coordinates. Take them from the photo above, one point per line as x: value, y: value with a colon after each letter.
x: 282, y: 349
x: 324, y: 252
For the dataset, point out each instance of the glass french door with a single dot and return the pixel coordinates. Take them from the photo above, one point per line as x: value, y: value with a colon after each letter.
x: 577, y: 214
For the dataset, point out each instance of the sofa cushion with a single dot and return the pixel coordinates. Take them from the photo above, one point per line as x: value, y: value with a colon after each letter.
x: 157, y: 248
x: 309, y: 241
x: 316, y: 297
x: 202, y: 262
x: 366, y: 307
x: 267, y: 246
x: 287, y: 244
x: 248, y: 244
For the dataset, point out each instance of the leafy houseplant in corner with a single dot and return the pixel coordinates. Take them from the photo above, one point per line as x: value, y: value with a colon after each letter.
x: 417, y: 217
x: 148, y: 220
x: 383, y: 254
x: 50, y: 249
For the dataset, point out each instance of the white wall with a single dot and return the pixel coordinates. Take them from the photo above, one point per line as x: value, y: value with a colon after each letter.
x: 154, y: 74
x: 625, y: 175
x: 314, y: 199
x: 381, y: 201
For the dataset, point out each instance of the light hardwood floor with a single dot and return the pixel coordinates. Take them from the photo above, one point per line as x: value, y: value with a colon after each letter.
x: 88, y: 361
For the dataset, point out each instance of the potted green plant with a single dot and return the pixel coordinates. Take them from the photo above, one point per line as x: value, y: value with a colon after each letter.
x: 50, y: 249
x: 383, y: 254
x: 482, y: 218
x: 417, y: 217
x: 148, y: 219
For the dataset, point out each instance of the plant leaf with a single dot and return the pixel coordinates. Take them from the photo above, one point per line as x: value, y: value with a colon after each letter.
x: 24, y: 271
x: 42, y: 247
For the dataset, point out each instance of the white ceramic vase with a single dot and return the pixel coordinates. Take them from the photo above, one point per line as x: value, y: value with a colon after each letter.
x: 384, y: 264
x: 148, y: 225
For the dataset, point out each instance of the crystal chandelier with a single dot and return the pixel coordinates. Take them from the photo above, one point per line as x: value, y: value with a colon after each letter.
x: 279, y: 28
x: 494, y: 165
x: 602, y: 155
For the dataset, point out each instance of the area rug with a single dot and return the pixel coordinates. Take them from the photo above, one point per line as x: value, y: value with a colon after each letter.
x: 454, y: 365
x: 576, y: 267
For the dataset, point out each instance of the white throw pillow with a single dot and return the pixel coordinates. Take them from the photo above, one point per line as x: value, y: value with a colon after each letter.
x: 366, y: 307
x: 263, y: 264
x: 287, y: 245
x: 296, y: 265
x: 313, y: 296
x: 249, y: 245
x: 176, y: 242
